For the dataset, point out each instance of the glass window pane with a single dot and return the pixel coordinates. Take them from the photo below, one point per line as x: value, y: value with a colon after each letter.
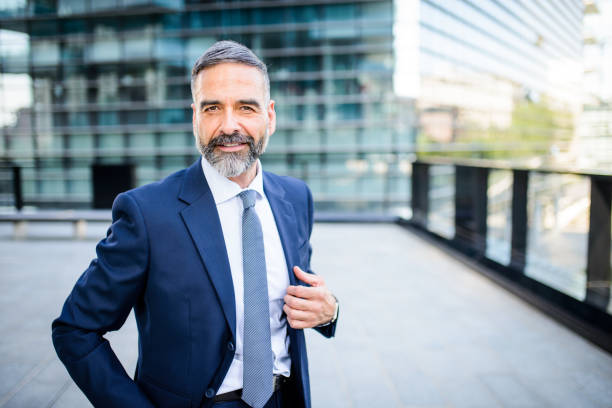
x: 499, y: 216
x: 175, y: 140
x: 111, y: 142
x: 174, y: 116
x: 441, y: 215
x: 45, y: 53
x: 558, y: 220
x: 169, y: 48
x: 110, y: 118
x: 67, y: 7
x: 142, y: 140
x: 139, y: 46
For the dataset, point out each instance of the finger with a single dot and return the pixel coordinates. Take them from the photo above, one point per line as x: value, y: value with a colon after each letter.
x: 297, y: 303
x: 304, y: 292
x: 308, y: 278
x: 295, y: 314
x: 299, y: 324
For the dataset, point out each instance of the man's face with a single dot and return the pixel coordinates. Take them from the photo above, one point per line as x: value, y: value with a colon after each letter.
x: 232, y: 116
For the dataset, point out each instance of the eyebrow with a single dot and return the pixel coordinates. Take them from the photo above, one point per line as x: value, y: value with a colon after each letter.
x: 251, y: 102
x: 206, y: 103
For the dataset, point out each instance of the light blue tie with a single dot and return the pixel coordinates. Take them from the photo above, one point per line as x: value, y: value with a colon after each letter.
x: 257, y: 358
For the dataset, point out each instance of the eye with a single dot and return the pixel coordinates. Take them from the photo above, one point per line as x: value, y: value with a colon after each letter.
x: 211, y: 108
x: 247, y: 108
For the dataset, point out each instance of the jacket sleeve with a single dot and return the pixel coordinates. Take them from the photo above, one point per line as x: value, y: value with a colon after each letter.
x: 100, y: 302
x: 328, y: 330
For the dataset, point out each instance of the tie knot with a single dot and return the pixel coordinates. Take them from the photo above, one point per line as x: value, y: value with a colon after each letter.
x: 248, y: 198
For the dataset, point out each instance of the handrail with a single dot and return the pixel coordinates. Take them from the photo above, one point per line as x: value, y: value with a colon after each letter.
x: 470, y: 198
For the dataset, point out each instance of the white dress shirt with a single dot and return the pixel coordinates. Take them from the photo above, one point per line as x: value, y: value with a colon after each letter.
x: 229, y: 205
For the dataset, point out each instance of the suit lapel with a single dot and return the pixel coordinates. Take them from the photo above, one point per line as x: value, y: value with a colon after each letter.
x: 284, y: 216
x: 202, y: 220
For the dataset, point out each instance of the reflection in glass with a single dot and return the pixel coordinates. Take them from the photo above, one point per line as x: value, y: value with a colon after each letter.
x: 110, y: 146
x: 13, y: 8
x: 174, y: 115
x: 14, y: 51
x: 45, y: 53
x: 16, y: 99
x: 169, y: 48
x: 104, y: 50
x: 441, y: 215
x: 108, y: 88
x: 106, y: 46
x: 557, y: 234
x: 81, y: 144
x: 67, y: 7
x: 499, y: 216
x: 138, y: 46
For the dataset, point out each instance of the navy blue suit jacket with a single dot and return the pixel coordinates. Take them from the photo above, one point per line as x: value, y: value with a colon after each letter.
x: 165, y: 257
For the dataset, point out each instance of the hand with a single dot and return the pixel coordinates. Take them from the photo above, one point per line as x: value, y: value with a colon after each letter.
x: 312, y: 306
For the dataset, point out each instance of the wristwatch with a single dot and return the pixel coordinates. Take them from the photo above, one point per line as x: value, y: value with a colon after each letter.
x: 333, y: 320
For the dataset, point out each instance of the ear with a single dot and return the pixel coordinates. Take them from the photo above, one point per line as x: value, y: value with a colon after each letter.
x: 271, y: 118
x: 194, y: 121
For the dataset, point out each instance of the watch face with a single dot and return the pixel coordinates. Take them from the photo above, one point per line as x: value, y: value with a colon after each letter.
x: 336, y: 312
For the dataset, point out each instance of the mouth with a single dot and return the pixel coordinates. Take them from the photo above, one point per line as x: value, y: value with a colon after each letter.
x: 231, y: 147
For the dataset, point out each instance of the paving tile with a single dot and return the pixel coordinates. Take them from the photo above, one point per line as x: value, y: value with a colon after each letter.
x: 469, y: 392
x: 565, y: 393
x: 596, y: 384
x: 71, y: 397
x: 42, y: 389
x: 417, y: 329
x: 509, y: 390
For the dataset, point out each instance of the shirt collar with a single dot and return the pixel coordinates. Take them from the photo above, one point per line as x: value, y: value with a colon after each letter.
x: 224, y: 189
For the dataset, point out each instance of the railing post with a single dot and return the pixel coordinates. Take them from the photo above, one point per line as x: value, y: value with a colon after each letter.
x: 518, y: 249
x: 108, y: 180
x: 420, y: 193
x: 598, y: 254
x: 17, y: 189
x: 471, y: 208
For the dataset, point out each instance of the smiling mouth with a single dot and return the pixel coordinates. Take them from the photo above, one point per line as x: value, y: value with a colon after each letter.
x: 231, y: 147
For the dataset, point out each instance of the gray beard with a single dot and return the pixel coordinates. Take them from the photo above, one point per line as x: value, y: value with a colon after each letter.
x: 231, y: 164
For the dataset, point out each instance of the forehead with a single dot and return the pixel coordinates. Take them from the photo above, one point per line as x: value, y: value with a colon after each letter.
x: 230, y: 79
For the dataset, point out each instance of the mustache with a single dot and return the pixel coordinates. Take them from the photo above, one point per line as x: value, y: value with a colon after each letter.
x: 235, y: 137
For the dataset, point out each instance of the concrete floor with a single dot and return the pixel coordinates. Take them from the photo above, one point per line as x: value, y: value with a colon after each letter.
x: 417, y: 329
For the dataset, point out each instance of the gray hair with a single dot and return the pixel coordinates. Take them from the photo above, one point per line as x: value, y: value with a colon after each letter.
x: 229, y: 51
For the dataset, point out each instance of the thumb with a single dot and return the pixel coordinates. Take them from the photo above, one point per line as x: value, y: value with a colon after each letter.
x: 309, y: 278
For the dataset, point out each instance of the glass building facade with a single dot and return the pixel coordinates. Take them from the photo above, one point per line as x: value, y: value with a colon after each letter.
x: 360, y: 87
x: 108, y: 82
x: 496, y: 73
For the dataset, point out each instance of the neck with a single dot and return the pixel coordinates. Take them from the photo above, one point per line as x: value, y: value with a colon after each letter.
x: 245, y: 178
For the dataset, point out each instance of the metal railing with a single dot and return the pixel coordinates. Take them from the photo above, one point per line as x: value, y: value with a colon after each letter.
x: 558, y: 234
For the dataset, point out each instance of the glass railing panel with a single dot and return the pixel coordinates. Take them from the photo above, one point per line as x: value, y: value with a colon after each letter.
x: 441, y: 215
x: 557, y: 231
x: 610, y: 301
x: 499, y: 216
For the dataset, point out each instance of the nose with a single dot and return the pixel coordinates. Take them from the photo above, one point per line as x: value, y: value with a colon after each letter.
x: 230, y: 122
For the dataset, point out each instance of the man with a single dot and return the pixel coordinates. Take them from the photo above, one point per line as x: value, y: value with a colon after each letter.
x: 212, y: 261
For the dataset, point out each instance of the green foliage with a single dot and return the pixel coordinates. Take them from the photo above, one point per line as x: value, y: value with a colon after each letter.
x: 534, y: 128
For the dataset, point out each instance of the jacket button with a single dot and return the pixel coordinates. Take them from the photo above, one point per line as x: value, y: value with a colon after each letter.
x: 210, y: 393
x: 230, y: 346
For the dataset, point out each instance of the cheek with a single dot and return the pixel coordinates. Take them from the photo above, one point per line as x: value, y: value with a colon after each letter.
x: 257, y: 127
x: 204, y: 130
